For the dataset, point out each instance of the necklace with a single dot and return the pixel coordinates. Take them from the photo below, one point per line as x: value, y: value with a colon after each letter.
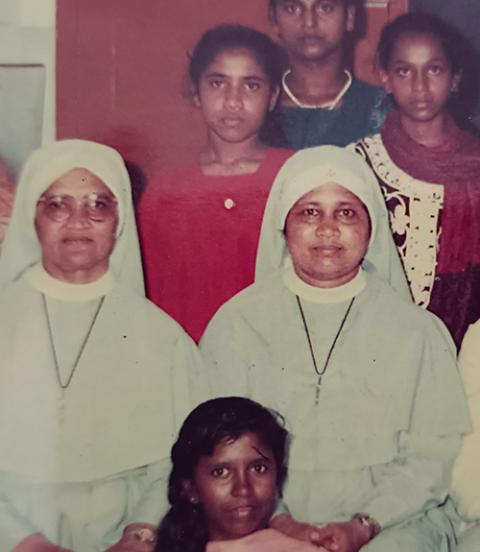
x: 332, y: 104
x: 320, y: 373
x: 64, y: 385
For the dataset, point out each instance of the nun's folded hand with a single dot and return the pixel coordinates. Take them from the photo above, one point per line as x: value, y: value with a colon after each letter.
x: 137, y: 537
x: 348, y: 536
x: 267, y: 540
x: 36, y: 542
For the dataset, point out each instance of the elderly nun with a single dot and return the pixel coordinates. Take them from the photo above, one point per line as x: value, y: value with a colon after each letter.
x: 94, y: 379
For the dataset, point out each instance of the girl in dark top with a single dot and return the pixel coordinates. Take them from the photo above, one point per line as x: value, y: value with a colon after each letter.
x: 429, y: 169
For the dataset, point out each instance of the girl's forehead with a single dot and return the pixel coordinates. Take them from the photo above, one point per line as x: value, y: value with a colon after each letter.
x: 235, y: 60
x: 409, y: 43
x: 248, y: 445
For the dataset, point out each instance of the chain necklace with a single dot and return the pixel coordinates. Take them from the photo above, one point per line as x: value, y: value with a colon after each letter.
x: 320, y: 373
x: 64, y: 385
x: 332, y: 104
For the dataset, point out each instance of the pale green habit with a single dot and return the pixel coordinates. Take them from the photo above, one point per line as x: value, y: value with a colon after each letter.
x: 391, y: 409
x: 79, y: 464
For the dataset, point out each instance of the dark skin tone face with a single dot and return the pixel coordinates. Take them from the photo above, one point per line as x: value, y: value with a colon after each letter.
x: 234, y: 95
x: 312, y: 30
x: 420, y: 78
x: 313, y: 33
x: 327, y: 234
x: 236, y: 487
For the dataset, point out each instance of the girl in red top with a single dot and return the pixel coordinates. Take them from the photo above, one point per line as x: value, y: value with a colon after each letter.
x: 199, y: 225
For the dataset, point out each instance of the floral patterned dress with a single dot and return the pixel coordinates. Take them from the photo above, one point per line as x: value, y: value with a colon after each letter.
x: 415, y: 210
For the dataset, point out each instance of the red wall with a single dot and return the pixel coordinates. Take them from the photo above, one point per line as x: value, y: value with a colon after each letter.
x: 121, y: 70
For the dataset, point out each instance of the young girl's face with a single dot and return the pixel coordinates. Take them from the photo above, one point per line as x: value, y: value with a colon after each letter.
x: 235, y: 94
x: 236, y: 487
x: 312, y: 29
x: 420, y: 77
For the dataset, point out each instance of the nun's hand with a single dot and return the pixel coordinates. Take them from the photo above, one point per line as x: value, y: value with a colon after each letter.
x: 36, y: 542
x: 137, y: 537
x: 267, y: 540
x: 348, y: 536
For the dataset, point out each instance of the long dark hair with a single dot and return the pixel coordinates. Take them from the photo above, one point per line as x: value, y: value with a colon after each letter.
x: 267, y: 54
x: 184, y: 528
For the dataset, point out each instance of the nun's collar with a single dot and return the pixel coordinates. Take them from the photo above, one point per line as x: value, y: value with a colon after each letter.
x: 323, y: 295
x: 43, y: 282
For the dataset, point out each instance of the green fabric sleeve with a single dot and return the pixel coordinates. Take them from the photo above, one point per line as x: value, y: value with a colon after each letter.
x: 188, y: 389
x: 415, y: 481
x: 153, y: 505
x: 419, y: 477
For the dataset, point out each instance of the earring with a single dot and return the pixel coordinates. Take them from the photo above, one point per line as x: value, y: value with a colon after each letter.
x: 193, y: 500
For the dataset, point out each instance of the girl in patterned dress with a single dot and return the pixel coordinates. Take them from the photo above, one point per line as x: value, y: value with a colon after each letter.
x: 429, y: 169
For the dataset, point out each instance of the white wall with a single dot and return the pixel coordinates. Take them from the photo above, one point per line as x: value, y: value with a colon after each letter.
x: 27, y: 97
x: 28, y: 13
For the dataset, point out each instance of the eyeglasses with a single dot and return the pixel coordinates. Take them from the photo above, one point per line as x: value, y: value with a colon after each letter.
x: 96, y: 207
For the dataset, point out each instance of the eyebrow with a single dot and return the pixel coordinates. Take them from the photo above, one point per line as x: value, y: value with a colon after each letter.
x: 86, y: 195
x: 346, y: 203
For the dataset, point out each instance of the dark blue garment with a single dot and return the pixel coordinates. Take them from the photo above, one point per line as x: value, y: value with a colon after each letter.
x: 360, y: 114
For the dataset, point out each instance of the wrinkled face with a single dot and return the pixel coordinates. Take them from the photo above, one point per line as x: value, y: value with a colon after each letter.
x: 312, y: 30
x: 236, y: 487
x: 327, y: 233
x: 420, y: 77
x: 235, y: 95
x: 76, y: 220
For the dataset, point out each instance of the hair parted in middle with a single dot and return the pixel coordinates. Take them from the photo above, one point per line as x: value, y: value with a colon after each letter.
x: 230, y: 37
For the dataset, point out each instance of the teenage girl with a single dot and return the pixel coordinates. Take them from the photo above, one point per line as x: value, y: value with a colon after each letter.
x: 229, y: 464
x: 321, y: 102
x: 199, y: 225
x: 429, y: 169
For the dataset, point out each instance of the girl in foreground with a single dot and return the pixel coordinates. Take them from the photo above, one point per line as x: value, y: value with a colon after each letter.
x: 429, y: 169
x: 229, y: 466
x: 199, y: 225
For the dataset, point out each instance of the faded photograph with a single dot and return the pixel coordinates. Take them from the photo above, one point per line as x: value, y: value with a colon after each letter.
x: 239, y: 276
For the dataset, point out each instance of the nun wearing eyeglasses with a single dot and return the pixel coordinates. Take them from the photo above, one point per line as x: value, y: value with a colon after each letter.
x: 94, y: 379
x: 366, y: 380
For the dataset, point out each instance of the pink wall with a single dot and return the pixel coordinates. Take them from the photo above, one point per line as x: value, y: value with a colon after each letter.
x: 121, y: 70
